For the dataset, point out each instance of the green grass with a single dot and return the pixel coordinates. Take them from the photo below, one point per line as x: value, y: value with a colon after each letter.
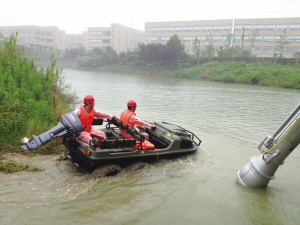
x: 266, y: 74
x: 32, y: 98
x: 13, y: 167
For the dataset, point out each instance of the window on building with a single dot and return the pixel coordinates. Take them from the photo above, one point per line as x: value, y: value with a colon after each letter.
x: 98, y: 41
x: 178, y: 29
x: 224, y: 38
x: 168, y: 38
x: 226, y: 27
x: 294, y: 26
x: 170, y: 29
x: 237, y: 38
x: 281, y: 27
x: 187, y: 29
x: 153, y: 29
x: 206, y: 28
x: 268, y: 49
x: 215, y: 38
x: 161, y: 39
x: 269, y: 27
x: 205, y: 38
x: 187, y: 39
x: 196, y: 37
x: 258, y: 27
x: 237, y: 27
x: 153, y: 39
x: 106, y: 41
x: 246, y: 48
x: 278, y: 50
x: 216, y: 28
x: 256, y: 49
x: 92, y: 40
x: 280, y: 38
x: 197, y: 28
x: 268, y: 38
x: 294, y: 38
x: 161, y: 29
x: 292, y: 49
x: 258, y: 38
x: 247, y: 27
x: 246, y: 38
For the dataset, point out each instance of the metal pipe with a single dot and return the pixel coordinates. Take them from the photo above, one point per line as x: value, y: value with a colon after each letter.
x: 262, y: 168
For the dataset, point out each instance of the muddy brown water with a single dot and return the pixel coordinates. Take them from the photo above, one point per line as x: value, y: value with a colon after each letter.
x: 200, y: 188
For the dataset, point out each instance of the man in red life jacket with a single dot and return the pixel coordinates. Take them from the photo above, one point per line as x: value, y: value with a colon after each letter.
x: 128, y: 116
x: 86, y: 114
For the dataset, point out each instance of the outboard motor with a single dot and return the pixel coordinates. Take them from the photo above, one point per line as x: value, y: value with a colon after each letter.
x: 70, y: 124
x: 274, y: 149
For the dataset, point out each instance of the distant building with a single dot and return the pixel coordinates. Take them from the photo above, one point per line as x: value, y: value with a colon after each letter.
x: 117, y: 36
x: 75, y: 40
x: 216, y: 31
x: 50, y: 37
x: 123, y: 39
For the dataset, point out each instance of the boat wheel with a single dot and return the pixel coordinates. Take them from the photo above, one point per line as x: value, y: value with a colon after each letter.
x: 107, y: 170
x: 136, y: 166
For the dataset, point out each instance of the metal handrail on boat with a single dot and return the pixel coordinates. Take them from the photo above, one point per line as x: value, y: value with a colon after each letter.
x: 193, y: 135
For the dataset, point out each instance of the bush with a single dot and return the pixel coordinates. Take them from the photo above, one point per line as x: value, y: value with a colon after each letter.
x: 32, y: 100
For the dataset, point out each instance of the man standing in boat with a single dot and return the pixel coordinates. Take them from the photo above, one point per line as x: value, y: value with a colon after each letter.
x: 128, y: 116
x: 86, y: 114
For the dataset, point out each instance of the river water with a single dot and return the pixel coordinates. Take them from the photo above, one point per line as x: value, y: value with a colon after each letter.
x: 201, y: 188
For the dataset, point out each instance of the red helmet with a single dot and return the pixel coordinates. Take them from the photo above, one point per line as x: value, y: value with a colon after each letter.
x: 89, y: 99
x: 131, y: 103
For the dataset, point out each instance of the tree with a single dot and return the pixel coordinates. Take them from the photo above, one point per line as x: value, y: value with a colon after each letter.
x: 297, y: 56
x: 196, y: 49
x: 253, y: 37
x: 230, y: 39
x: 210, y: 49
x: 174, y: 47
x: 281, y: 43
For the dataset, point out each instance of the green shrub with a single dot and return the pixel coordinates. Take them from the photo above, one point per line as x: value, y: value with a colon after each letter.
x: 28, y: 95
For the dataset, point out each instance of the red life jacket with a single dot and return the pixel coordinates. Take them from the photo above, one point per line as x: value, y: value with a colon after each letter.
x: 125, y: 116
x: 86, y: 118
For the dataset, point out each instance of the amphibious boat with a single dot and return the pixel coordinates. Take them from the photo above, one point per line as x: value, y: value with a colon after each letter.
x: 165, y: 140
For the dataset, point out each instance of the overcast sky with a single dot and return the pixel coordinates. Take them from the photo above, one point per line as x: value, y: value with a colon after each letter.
x: 76, y: 16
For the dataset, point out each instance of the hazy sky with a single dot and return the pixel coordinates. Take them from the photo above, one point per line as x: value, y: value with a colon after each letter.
x: 76, y: 16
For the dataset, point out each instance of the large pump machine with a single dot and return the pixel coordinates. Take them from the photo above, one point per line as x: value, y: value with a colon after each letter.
x: 274, y: 149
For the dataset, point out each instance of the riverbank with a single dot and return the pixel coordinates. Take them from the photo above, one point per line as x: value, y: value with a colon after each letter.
x: 33, y: 99
x: 264, y: 74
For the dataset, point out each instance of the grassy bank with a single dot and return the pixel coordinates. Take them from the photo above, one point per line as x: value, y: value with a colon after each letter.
x: 32, y: 98
x: 265, y: 74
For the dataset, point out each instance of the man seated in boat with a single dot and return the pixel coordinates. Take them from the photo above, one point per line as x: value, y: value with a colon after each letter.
x: 128, y: 117
x: 86, y: 114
